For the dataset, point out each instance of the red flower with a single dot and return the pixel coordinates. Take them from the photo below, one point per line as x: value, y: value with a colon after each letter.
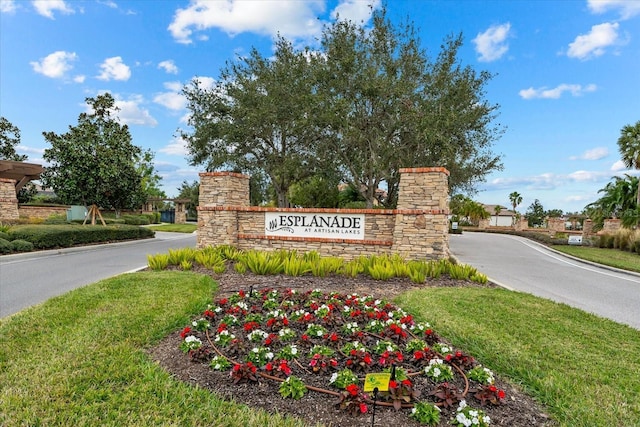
x: 367, y: 359
x: 268, y: 366
x: 428, y: 332
x: 418, y: 355
x: 492, y: 388
x: 333, y: 362
x: 241, y: 293
x: 223, y: 301
x: 352, y: 389
x: 393, y: 384
x: 363, y: 408
x: 222, y: 327
x: 285, y: 321
x: 236, y: 367
x: 304, y: 337
x: 501, y: 394
x: 185, y: 331
x: 407, y: 383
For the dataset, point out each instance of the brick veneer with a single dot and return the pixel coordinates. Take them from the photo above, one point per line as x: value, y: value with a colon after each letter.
x: 8, y: 200
x: 417, y: 229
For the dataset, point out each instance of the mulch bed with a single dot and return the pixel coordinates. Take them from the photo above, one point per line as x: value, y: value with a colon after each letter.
x: 518, y: 410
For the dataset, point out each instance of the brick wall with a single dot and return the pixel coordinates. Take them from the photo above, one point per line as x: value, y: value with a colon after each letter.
x: 417, y: 229
x: 8, y: 200
x: 43, y: 212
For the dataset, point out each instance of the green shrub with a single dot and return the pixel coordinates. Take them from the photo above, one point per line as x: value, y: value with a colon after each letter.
x: 56, y: 219
x: 5, y: 236
x: 5, y: 246
x: 21, y: 246
x: 62, y: 236
x: 136, y: 219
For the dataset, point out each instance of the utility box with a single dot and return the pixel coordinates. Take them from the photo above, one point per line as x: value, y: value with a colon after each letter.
x: 76, y: 213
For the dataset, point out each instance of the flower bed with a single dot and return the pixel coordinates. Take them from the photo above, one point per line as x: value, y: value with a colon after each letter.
x: 325, y: 343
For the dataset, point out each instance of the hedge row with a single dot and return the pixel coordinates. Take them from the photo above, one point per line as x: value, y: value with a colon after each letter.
x: 7, y: 247
x: 63, y: 236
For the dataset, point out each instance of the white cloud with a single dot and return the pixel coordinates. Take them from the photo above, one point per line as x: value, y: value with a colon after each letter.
x: 55, y: 65
x: 79, y: 78
x: 109, y: 3
x: 130, y: 111
x: 356, y: 11
x: 288, y: 18
x: 592, y: 154
x: 177, y: 147
x: 205, y: 82
x: 171, y: 100
x: 618, y: 166
x: 491, y: 44
x: 47, y: 7
x: 24, y: 149
x: 168, y: 66
x: 627, y: 8
x: 114, y: 69
x: 555, y: 93
x: 594, y: 44
x: 7, y: 6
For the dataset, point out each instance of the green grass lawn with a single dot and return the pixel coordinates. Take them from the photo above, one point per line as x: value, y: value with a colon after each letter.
x: 612, y: 257
x: 583, y: 368
x: 79, y: 359
x: 176, y: 228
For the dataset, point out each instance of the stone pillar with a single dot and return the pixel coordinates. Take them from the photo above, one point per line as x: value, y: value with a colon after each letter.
x: 181, y: 213
x: 422, y: 221
x: 587, y: 229
x: 220, y: 193
x: 8, y: 200
x: 555, y: 225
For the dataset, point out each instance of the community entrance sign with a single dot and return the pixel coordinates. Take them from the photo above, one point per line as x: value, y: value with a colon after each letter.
x: 333, y: 225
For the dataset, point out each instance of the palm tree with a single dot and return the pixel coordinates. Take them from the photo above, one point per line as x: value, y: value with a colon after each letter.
x: 497, y: 209
x: 617, y: 201
x: 515, y: 199
x: 629, y: 147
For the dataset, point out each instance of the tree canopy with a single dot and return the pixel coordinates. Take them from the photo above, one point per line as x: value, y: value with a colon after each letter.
x: 368, y: 103
x: 95, y: 162
x: 9, y: 140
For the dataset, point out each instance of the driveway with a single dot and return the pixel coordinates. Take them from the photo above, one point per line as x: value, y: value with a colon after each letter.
x: 523, y: 265
x: 31, y: 278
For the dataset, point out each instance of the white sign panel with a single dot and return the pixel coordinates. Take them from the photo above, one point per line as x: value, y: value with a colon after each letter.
x: 575, y: 240
x: 327, y: 225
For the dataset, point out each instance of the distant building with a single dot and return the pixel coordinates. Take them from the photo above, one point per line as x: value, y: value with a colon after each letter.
x: 503, y: 219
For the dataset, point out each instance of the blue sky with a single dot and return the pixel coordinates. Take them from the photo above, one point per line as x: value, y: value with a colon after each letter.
x: 567, y: 74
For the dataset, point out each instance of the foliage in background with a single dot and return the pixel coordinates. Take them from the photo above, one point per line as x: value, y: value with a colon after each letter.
x: 192, y: 193
x: 629, y: 147
x: 618, y: 200
x: 62, y: 236
x: 9, y: 140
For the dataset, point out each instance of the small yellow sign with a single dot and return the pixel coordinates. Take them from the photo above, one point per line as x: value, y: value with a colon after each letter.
x: 379, y: 380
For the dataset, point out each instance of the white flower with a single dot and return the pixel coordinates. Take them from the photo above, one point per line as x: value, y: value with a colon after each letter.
x: 191, y: 339
x: 436, y: 372
x: 333, y: 378
x: 473, y: 413
x: 294, y: 350
x: 218, y: 309
x: 413, y: 410
x: 255, y: 349
x: 486, y: 419
x: 462, y: 405
x: 269, y: 355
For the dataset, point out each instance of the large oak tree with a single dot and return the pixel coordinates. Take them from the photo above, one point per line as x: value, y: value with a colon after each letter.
x: 367, y: 104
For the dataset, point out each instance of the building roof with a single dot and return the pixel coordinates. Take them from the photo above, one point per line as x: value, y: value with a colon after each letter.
x: 503, y: 212
x: 20, y: 172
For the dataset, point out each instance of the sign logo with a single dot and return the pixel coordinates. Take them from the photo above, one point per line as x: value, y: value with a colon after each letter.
x: 337, y: 226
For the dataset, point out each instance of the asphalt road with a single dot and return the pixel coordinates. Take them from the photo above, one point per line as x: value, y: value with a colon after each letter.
x: 28, y: 279
x: 526, y: 266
